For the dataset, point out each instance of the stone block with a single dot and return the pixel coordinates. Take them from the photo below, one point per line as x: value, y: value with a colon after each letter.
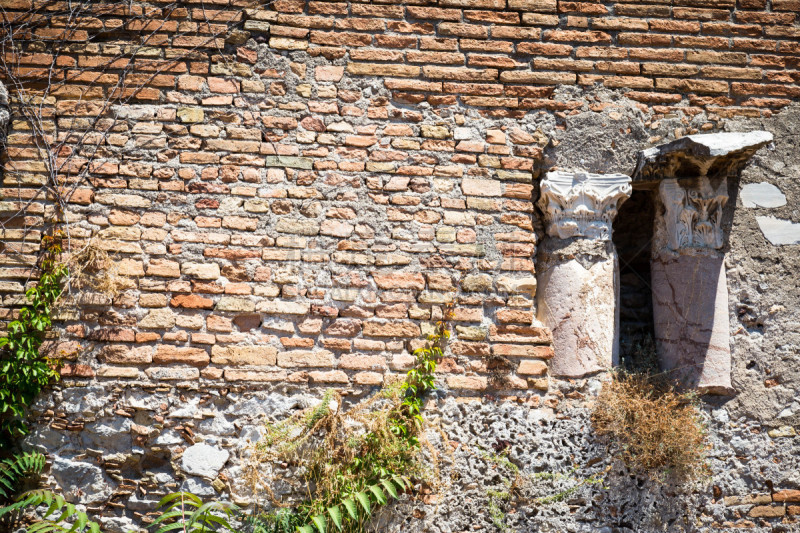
x: 260, y: 355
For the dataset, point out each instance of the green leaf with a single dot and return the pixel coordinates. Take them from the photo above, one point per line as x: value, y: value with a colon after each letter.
x: 336, y: 516
x: 363, y: 499
x: 319, y: 521
x: 389, y: 487
x: 305, y: 529
x: 379, y: 495
x: 352, y: 510
x: 400, y: 482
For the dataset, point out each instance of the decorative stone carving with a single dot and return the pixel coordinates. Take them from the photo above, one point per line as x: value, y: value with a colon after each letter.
x: 580, y: 204
x: 693, y: 216
x: 712, y: 154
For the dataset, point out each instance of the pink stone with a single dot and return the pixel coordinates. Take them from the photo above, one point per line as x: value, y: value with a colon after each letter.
x: 690, y: 315
x: 329, y: 73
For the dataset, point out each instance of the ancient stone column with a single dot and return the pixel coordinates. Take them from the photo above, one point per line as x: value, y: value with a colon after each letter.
x: 578, y: 271
x: 687, y: 271
x: 690, y: 292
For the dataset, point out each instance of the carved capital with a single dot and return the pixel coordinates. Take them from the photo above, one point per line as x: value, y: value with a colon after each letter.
x: 693, y: 214
x: 580, y: 204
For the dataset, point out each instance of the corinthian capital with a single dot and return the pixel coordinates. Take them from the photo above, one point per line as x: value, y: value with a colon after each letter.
x: 580, y: 204
x: 693, y: 214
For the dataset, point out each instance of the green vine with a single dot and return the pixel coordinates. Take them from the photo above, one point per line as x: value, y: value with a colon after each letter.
x: 24, y: 372
x: 383, y: 463
x: 421, y: 379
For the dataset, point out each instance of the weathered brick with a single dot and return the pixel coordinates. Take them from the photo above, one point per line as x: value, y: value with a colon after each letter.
x: 391, y: 329
x: 306, y: 358
x: 166, y: 354
x: 244, y: 355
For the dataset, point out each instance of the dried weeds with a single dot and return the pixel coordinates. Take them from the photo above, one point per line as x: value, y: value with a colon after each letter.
x: 654, y: 429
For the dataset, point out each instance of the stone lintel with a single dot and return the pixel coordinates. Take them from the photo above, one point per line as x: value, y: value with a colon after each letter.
x: 582, y: 204
x: 716, y: 155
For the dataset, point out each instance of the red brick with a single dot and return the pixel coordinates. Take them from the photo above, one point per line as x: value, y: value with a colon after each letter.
x: 577, y: 36
x: 425, y: 13
x: 787, y: 495
x: 459, y: 73
x: 545, y: 49
x: 191, y: 301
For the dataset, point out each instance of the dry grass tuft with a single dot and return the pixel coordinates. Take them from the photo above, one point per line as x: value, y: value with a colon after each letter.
x: 655, y: 430
x: 93, y: 269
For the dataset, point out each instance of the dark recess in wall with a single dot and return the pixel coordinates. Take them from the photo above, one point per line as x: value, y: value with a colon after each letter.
x: 633, y: 234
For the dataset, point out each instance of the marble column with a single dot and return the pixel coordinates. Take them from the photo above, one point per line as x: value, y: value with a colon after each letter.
x: 690, y: 293
x: 578, y: 270
x: 691, y: 315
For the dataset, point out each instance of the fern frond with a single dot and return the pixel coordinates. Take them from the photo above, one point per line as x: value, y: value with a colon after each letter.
x: 68, y: 519
x: 14, y: 469
x: 187, y: 512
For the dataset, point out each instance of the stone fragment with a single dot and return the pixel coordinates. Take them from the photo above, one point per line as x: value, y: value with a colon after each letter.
x: 203, y: 460
x: 235, y: 305
x: 344, y: 328
x: 763, y: 194
x: 310, y: 358
x: 782, y: 432
x: 767, y: 511
x: 471, y: 333
x: 399, y: 280
x: 328, y: 73
x: 81, y: 482
x: 256, y: 26
x: 696, y: 155
x: 434, y: 132
x: 305, y: 163
x: 166, y: 354
x: 779, y: 232
x: 190, y: 114
x: 244, y: 355
x: 391, y: 329
x: 201, y: 270
x: 750, y: 499
x: 476, y: 283
x: 529, y: 367
x: 298, y: 226
x: 478, y: 187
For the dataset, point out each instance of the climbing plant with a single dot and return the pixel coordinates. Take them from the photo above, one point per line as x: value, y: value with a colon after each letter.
x: 24, y: 371
x: 355, y: 460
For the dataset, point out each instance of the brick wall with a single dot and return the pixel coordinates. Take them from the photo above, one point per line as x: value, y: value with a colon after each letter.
x: 292, y: 192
